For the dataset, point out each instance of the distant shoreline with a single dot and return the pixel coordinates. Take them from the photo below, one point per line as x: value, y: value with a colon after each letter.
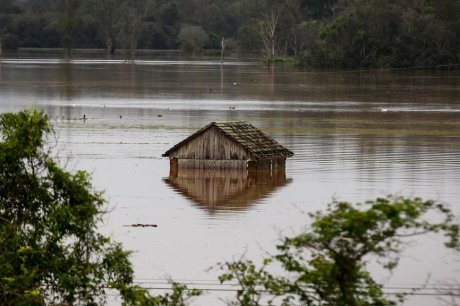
x: 214, y: 53
x: 206, y: 55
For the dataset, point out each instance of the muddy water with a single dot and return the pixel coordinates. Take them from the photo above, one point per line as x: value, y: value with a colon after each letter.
x: 355, y: 135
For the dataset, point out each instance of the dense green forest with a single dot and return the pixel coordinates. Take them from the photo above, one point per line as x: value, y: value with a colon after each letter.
x: 325, y: 33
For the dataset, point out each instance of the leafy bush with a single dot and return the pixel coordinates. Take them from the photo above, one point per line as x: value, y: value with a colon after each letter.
x: 50, y: 250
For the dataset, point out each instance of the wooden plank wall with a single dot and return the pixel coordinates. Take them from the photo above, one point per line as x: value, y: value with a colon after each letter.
x: 267, y: 164
x: 212, y: 144
x: 212, y: 164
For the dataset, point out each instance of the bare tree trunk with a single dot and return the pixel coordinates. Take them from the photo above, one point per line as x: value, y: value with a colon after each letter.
x: 222, y: 46
x: 135, y: 13
x: 110, y: 43
x: 111, y: 20
x: 67, y: 24
x: 268, y: 32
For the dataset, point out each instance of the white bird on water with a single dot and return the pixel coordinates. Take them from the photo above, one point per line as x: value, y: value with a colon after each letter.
x: 384, y: 109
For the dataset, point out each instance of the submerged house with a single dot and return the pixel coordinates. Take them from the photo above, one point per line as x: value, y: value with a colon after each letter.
x: 228, y: 145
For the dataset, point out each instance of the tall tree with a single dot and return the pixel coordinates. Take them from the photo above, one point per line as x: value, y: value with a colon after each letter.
x: 110, y: 16
x: 8, y: 13
x: 67, y: 21
x: 192, y: 38
x: 134, y: 11
x: 268, y: 32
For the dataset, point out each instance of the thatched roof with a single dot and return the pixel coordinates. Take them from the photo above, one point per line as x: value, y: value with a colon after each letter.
x: 252, y: 139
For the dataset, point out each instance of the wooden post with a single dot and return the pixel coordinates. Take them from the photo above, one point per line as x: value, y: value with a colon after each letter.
x: 173, y: 167
x: 279, y: 163
x: 252, y: 165
x: 264, y: 164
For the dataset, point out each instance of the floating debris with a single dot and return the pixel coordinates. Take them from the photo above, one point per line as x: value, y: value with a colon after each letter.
x: 140, y: 225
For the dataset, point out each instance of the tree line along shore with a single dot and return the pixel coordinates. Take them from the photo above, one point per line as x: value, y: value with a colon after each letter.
x: 320, y: 33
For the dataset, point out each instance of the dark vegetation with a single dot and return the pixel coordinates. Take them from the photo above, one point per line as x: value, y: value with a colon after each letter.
x: 325, y: 33
x: 327, y: 264
x: 52, y: 254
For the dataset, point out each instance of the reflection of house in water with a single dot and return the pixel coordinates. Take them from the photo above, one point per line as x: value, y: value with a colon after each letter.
x: 225, y: 190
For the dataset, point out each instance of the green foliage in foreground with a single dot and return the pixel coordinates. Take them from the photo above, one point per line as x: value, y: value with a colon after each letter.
x: 326, y: 265
x: 50, y: 250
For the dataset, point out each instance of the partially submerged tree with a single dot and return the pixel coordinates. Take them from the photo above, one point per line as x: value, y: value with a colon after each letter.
x: 134, y: 11
x: 268, y: 32
x: 327, y: 264
x: 67, y: 23
x: 110, y: 14
x: 50, y: 250
x: 192, y: 38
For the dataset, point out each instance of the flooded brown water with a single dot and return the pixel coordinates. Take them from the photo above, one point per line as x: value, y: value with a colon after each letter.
x: 356, y: 135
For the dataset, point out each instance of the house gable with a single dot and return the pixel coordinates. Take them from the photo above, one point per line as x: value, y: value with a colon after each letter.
x: 209, y: 144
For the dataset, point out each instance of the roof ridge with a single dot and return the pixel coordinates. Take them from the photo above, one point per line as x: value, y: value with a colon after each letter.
x: 231, y: 121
